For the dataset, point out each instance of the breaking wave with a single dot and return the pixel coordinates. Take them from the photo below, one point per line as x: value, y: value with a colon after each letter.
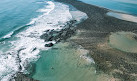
x: 26, y: 46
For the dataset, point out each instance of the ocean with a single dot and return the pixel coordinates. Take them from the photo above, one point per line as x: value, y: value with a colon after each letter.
x: 15, y: 16
x: 123, y: 6
x: 22, y: 22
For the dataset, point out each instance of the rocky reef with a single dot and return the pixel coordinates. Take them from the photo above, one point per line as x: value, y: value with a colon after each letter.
x: 59, y: 35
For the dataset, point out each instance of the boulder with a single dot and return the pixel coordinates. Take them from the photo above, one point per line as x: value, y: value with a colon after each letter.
x: 49, y: 45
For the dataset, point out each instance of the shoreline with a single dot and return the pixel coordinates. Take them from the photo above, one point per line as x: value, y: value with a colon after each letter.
x: 57, y: 35
x: 93, y: 34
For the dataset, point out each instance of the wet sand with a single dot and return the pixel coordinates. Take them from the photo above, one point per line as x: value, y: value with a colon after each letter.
x: 93, y: 34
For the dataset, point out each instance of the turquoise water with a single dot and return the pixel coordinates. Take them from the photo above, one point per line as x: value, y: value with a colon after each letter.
x: 63, y: 63
x: 28, y: 20
x: 14, y: 16
x: 17, y: 13
x: 126, y: 6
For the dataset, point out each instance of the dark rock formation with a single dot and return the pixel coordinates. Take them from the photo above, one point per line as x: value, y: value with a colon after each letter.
x: 22, y: 77
x: 135, y: 37
x: 49, y: 45
x: 63, y: 34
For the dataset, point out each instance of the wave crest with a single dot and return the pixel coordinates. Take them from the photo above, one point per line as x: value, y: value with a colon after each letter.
x: 27, y: 45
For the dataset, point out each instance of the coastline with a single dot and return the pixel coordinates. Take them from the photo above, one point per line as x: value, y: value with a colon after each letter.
x: 52, y: 36
x: 93, y: 34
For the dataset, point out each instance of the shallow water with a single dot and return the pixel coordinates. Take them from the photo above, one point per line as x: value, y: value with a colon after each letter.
x: 63, y: 63
x: 123, y: 41
x: 23, y: 44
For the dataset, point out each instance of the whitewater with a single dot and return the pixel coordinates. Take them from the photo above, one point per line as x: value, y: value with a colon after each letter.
x: 26, y: 45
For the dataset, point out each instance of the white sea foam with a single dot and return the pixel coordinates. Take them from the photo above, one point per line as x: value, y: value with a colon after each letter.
x: 8, y: 65
x: 85, y: 55
x: 28, y: 44
x: 8, y: 35
x: 78, y: 15
x: 30, y: 38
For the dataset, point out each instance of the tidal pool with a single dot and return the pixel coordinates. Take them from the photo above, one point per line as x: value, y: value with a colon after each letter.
x: 124, y: 41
